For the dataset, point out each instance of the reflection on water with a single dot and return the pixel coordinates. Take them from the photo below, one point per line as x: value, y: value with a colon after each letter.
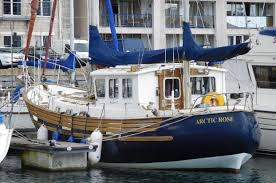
x: 257, y: 170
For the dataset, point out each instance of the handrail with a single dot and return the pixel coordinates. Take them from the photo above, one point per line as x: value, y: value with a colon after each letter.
x: 129, y: 20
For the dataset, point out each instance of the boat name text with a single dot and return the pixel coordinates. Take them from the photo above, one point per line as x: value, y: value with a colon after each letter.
x: 226, y: 119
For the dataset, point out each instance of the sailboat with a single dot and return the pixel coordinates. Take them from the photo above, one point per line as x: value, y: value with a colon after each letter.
x: 142, y: 108
x: 5, y: 138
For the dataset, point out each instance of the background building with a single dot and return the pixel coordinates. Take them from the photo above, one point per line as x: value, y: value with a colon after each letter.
x: 15, y: 16
x: 158, y: 22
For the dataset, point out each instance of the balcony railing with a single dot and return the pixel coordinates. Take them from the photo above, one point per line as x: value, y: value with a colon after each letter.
x: 202, y: 21
x: 250, y: 22
x: 174, y: 21
x: 128, y: 20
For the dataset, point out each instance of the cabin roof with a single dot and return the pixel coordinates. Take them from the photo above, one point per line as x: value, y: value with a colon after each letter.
x: 146, y: 68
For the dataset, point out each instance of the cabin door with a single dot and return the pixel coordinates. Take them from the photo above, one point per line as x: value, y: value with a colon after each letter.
x: 171, y: 84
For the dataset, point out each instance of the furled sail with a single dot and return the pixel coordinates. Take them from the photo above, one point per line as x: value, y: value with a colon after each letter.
x: 195, y: 52
x: 268, y: 32
x: 101, y: 54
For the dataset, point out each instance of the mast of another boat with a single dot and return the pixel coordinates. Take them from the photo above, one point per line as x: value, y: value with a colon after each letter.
x: 34, y: 9
x: 72, y: 37
x: 49, y: 37
x: 112, y: 24
x: 186, y: 64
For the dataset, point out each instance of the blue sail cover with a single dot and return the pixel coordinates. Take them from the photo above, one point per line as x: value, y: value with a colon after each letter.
x: 101, y: 54
x: 65, y: 65
x: 268, y: 32
x: 195, y: 52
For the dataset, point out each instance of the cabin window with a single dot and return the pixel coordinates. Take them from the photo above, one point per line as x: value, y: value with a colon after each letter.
x: 100, y: 88
x: 127, y: 88
x: 113, y: 88
x: 172, y: 84
x: 265, y: 76
x: 203, y: 85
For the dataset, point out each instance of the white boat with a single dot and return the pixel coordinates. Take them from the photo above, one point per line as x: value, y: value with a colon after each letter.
x: 5, y: 138
x: 257, y: 73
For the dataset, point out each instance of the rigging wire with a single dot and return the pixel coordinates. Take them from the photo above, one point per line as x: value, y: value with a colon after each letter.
x: 202, y: 21
x: 147, y: 130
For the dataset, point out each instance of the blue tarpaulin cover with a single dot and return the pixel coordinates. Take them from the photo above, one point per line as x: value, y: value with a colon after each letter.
x: 195, y: 52
x: 101, y: 54
x: 268, y: 32
x: 16, y: 94
x: 2, y: 118
x: 65, y: 65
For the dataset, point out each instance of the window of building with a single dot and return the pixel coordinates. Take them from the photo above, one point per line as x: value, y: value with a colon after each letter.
x: 173, y: 18
x: 237, y: 39
x: 17, y: 41
x: 265, y: 76
x: 127, y: 88
x: 235, y: 9
x: 202, y: 14
x: 40, y: 41
x: 129, y: 42
x: 203, y: 85
x: 204, y: 40
x: 230, y: 40
x: 249, y: 9
x: 44, y: 8
x: 12, y: 7
x: 172, y: 84
x: 100, y: 87
x: 113, y: 88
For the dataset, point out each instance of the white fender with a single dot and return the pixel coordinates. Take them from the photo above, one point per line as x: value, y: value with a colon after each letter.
x: 96, y: 140
x: 42, y: 133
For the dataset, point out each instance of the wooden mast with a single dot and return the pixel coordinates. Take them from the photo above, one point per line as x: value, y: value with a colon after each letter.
x: 49, y: 35
x: 34, y: 8
x: 186, y: 65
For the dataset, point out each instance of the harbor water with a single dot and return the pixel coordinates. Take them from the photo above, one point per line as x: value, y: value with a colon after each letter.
x: 257, y: 170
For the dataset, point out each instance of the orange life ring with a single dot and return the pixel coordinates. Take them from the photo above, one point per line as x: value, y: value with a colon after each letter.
x: 214, y: 99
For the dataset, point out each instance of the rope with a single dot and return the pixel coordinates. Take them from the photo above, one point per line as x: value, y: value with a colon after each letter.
x: 145, y: 126
x: 138, y: 133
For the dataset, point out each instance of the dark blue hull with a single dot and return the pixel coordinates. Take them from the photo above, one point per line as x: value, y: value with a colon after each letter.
x: 229, y: 137
x: 199, y: 136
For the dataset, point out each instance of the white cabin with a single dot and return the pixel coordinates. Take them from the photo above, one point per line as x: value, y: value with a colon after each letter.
x: 151, y: 86
x: 127, y: 92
